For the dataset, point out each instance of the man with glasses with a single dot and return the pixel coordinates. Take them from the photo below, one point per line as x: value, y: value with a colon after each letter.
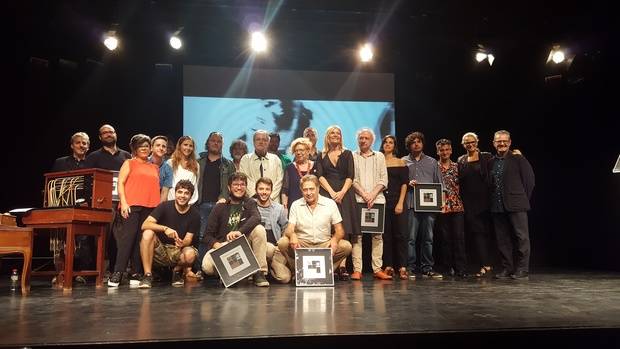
x: 235, y: 217
x: 512, y: 184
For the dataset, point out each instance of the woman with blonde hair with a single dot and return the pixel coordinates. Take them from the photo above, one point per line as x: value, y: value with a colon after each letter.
x: 336, y: 172
x: 300, y: 167
x: 184, y: 165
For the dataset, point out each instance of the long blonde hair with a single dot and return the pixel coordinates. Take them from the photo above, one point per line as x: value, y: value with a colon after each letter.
x: 177, y: 156
x: 326, y: 139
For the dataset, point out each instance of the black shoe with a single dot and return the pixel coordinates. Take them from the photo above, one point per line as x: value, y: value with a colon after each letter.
x: 115, y: 279
x: 146, y: 281
x: 177, y: 279
x: 503, y: 275
x: 432, y: 275
x: 260, y: 280
x: 462, y: 275
x: 521, y: 275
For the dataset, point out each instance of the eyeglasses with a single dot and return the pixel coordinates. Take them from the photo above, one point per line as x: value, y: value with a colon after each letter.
x: 238, y: 185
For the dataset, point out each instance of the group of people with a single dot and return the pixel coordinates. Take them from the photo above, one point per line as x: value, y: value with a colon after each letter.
x: 176, y: 209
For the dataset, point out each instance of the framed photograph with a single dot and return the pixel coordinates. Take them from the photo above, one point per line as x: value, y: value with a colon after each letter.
x: 616, y: 168
x: 235, y: 261
x: 371, y: 219
x: 314, y: 267
x: 427, y: 197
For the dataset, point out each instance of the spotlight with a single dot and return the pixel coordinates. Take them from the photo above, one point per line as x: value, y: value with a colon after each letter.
x: 483, y: 53
x: 258, y: 42
x: 175, y: 42
x: 366, y: 53
x: 480, y: 56
x: 110, y: 41
x: 559, y: 55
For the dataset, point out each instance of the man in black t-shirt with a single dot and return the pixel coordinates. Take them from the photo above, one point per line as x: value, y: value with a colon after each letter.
x: 167, y: 236
x: 109, y: 156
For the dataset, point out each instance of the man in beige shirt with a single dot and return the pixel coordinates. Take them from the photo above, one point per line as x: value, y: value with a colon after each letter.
x: 309, y: 224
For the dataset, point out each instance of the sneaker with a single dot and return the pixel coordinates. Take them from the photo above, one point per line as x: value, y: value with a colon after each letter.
x: 260, y: 280
x: 146, y: 281
x: 432, y: 275
x: 134, y: 280
x: 115, y: 279
x: 177, y: 278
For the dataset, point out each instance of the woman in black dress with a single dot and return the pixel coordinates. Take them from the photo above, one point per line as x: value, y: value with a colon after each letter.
x: 473, y: 171
x: 395, y: 237
x: 335, y: 169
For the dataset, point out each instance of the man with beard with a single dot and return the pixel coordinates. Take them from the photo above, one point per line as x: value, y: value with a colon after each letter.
x: 109, y: 157
x: 273, y: 219
x: 233, y: 218
x: 167, y: 236
x: 212, y: 184
x: 159, y: 147
x: 512, y: 184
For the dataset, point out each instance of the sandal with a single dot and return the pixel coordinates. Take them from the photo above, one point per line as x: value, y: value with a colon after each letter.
x: 389, y: 271
x: 483, y: 271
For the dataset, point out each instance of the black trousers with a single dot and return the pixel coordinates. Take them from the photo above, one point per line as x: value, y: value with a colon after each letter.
x: 395, y: 238
x: 513, y: 240
x: 451, y: 228
x: 128, y: 239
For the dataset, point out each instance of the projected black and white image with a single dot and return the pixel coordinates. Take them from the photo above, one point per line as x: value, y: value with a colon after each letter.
x: 239, y: 118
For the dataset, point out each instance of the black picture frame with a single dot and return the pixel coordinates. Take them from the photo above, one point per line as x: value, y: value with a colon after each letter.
x: 115, y: 197
x: 427, y: 197
x: 372, y: 220
x: 616, y: 168
x: 235, y: 261
x: 314, y: 267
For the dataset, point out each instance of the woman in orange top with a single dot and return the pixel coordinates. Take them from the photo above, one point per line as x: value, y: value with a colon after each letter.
x: 138, y: 190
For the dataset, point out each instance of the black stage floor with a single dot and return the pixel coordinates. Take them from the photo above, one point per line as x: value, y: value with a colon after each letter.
x: 571, y: 309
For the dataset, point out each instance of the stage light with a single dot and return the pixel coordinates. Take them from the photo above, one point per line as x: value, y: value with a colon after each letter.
x: 110, y: 41
x: 258, y: 42
x: 559, y: 55
x: 175, y: 42
x: 366, y: 53
x: 490, y: 59
x: 483, y: 53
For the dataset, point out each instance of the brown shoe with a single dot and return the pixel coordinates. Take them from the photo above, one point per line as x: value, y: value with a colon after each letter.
x: 402, y: 274
x: 381, y: 275
x: 356, y: 275
x: 389, y: 271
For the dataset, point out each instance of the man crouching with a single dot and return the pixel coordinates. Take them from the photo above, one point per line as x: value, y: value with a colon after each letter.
x: 167, y: 236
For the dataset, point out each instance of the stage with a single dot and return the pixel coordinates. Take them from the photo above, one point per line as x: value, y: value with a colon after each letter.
x: 568, y: 308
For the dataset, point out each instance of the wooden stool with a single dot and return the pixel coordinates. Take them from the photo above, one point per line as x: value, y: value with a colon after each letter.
x: 18, y: 240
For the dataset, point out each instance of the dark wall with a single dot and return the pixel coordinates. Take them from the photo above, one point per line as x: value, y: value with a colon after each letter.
x: 566, y: 127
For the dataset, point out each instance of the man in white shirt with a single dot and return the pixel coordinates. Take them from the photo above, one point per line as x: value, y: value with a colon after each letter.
x: 310, y: 224
x: 371, y: 179
x: 260, y: 163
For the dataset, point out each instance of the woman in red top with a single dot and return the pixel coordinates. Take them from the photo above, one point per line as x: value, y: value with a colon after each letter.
x: 138, y: 190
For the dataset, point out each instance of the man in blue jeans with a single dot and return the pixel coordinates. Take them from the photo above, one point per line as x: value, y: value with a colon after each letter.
x: 422, y: 169
x: 212, y: 185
